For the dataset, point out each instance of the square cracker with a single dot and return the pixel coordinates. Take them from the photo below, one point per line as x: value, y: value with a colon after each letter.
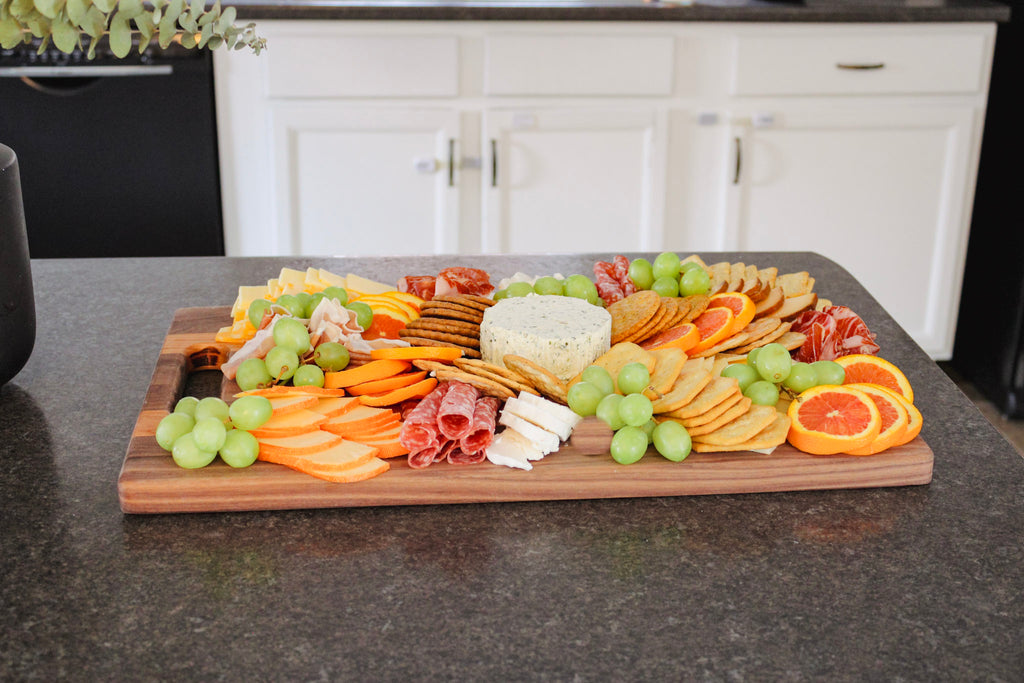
x: 741, y: 429
x: 716, y: 391
x: 736, y: 400
x: 622, y: 354
x: 771, y: 436
x: 669, y: 364
x: 779, y: 330
x: 731, y: 414
x: 684, y: 390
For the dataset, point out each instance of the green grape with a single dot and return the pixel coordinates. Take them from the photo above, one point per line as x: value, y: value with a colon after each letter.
x: 209, y: 434
x: 188, y: 454
x: 250, y: 412
x: 584, y: 398
x: 291, y: 334
x: 252, y: 374
x: 240, y: 449
x: 305, y: 298
x: 281, y: 363
x: 580, y: 287
x: 608, y: 410
x: 633, y: 378
x: 641, y: 273
x: 666, y: 286
x: 628, y: 445
x: 752, y: 357
x: 694, y: 281
x: 635, y: 410
x: 689, y: 265
x: 501, y: 294
x: 672, y: 440
x: 256, y: 310
x: 187, y: 405
x: 308, y: 375
x: 291, y: 305
x: 763, y: 393
x: 801, y: 378
x: 649, y: 430
x: 171, y: 427
x: 828, y: 372
x: 666, y: 265
x: 517, y: 289
x: 744, y: 374
x: 339, y: 294
x: 314, y: 301
x: 774, y: 363
x: 549, y: 285
x: 600, y: 377
x: 364, y: 314
x: 211, y: 406
x: 331, y: 356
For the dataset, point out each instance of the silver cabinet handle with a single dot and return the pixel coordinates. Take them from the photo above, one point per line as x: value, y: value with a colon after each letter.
x: 451, y: 162
x: 84, y: 71
x: 494, y: 162
x: 739, y: 160
x: 873, y: 66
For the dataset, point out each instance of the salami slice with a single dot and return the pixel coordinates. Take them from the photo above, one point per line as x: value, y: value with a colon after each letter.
x: 621, y: 265
x: 459, y: 457
x: 608, y: 287
x: 420, y: 285
x: 445, y: 451
x: 482, y: 432
x: 424, y: 458
x: 463, y: 281
x: 455, y: 415
x: 419, y: 430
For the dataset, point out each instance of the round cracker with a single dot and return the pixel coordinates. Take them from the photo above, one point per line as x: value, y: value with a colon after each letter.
x: 546, y: 382
x: 457, y: 339
x: 445, y: 325
x: 631, y: 313
x: 496, y: 373
x: 485, y: 386
x: 452, y: 312
x: 470, y: 300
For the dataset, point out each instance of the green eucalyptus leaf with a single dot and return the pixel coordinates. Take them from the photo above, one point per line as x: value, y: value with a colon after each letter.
x: 22, y: 9
x: 105, y: 5
x: 207, y: 19
x: 49, y: 8
x: 120, y: 36
x: 95, y: 23
x: 65, y: 36
x: 11, y: 34
x: 227, y: 19
x: 158, y: 4
x: 174, y: 9
x: 205, y: 35
x: 188, y: 40
x: 43, y: 44
x: 91, y: 53
x: 38, y: 25
x: 144, y: 24
x: 77, y: 9
x: 130, y: 8
x: 197, y: 7
x: 188, y: 22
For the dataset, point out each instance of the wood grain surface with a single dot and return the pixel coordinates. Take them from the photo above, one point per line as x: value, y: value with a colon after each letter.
x: 150, y: 482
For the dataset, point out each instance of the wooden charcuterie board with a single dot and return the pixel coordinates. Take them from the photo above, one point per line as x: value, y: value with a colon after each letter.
x: 150, y: 482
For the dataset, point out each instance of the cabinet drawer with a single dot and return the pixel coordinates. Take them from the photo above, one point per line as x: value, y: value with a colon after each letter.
x: 859, y: 64
x: 363, y: 66
x: 578, y: 65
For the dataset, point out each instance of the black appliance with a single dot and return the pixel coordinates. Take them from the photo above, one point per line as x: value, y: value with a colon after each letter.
x: 989, y: 346
x: 118, y: 157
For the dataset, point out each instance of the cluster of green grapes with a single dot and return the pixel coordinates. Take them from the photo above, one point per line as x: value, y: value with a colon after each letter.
x: 198, y: 430
x: 576, y: 286
x: 284, y: 361
x: 770, y: 367
x: 303, y: 304
x: 623, y: 406
x: 668, y: 276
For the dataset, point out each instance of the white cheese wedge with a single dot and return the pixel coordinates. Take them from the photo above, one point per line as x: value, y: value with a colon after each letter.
x: 540, y: 417
x: 543, y: 440
x: 560, y: 333
x: 563, y: 413
x: 512, y: 449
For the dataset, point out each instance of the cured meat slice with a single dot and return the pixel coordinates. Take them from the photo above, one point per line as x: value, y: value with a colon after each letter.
x: 446, y: 449
x: 419, y: 430
x: 854, y: 332
x: 459, y: 457
x: 420, y: 459
x: 482, y: 432
x: 455, y: 415
x: 833, y: 332
x: 420, y: 285
x: 621, y: 264
x: 463, y: 281
x: 608, y: 286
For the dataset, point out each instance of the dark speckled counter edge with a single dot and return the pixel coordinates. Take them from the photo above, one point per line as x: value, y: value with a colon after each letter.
x: 761, y: 12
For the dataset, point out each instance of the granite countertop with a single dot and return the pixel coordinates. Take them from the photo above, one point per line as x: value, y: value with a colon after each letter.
x: 632, y: 10
x: 913, y: 583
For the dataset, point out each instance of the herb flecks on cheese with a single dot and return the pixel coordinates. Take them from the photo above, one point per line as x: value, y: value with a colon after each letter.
x: 560, y: 333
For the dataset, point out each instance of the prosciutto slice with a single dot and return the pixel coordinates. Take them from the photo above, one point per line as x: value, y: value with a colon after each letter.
x: 481, y: 433
x: 455, y: 416
x: 420, y: 285
x: 831, y: 333
x: 463, y: 281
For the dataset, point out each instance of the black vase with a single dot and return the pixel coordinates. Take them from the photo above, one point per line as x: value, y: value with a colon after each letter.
x: 17, y: 305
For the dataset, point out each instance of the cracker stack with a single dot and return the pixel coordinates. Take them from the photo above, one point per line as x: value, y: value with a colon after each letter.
x: 449, y: 321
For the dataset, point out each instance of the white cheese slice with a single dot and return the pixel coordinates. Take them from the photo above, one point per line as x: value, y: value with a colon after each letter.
x: 563, y: 413
x: 560, y: 333
x: 540, y: 417
x: 543, y: 440
x: 512, y: 449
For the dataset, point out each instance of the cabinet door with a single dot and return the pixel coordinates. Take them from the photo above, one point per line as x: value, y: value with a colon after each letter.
x: 885, y: 191
x: 560, y: 180
x: 365, y: 181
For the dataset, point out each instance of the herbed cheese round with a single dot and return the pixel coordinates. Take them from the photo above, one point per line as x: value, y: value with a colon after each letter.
x: 560, y: 333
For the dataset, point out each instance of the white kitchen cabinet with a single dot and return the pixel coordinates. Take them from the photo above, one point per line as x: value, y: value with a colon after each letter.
x: 393, y: 137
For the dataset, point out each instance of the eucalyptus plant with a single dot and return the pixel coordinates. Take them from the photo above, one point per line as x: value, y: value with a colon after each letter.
x: 80, y: 24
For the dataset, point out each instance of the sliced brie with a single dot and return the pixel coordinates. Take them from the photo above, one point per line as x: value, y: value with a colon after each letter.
x: 543, y: 440
x: 563, y: 413
x: 540, y: 417
x: 512, y: 449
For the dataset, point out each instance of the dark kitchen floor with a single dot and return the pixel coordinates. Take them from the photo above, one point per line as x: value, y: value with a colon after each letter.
x: 1013, y: 430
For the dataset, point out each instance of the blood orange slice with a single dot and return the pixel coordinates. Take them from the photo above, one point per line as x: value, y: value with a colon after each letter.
x: 864, y: 369
x: 914, y: 419
x: 713, y: 325
x: 895, y: 419
x: 683, y: 337
x: 742, y: 306
x: 827, y: 419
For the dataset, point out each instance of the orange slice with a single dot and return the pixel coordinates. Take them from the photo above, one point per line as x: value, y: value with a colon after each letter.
x: 827, y: 419
x: 417, y: 353
x: 895, y: 419
x: 368, y: 372
x: 742, y: 306
x: 714, y: 325
x: 864, y: 369
x: 683, y: 337
x: 381, y: 385
x: 914, y: 419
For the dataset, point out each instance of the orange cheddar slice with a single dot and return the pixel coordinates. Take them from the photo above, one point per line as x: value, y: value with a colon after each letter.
x: 442, y: 353
x: 333, y: 406
x: 418, y: 390
x: 381, y: 385
x: 300, y: 444
x: 374, y: 370
x: 289, y: 404
x: 367, y: 470
x: 343, y: 456
x: 297, y: 422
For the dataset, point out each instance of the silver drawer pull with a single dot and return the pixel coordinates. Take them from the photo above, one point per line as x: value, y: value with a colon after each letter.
x: 861, y: 67
x: 85, y: 71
